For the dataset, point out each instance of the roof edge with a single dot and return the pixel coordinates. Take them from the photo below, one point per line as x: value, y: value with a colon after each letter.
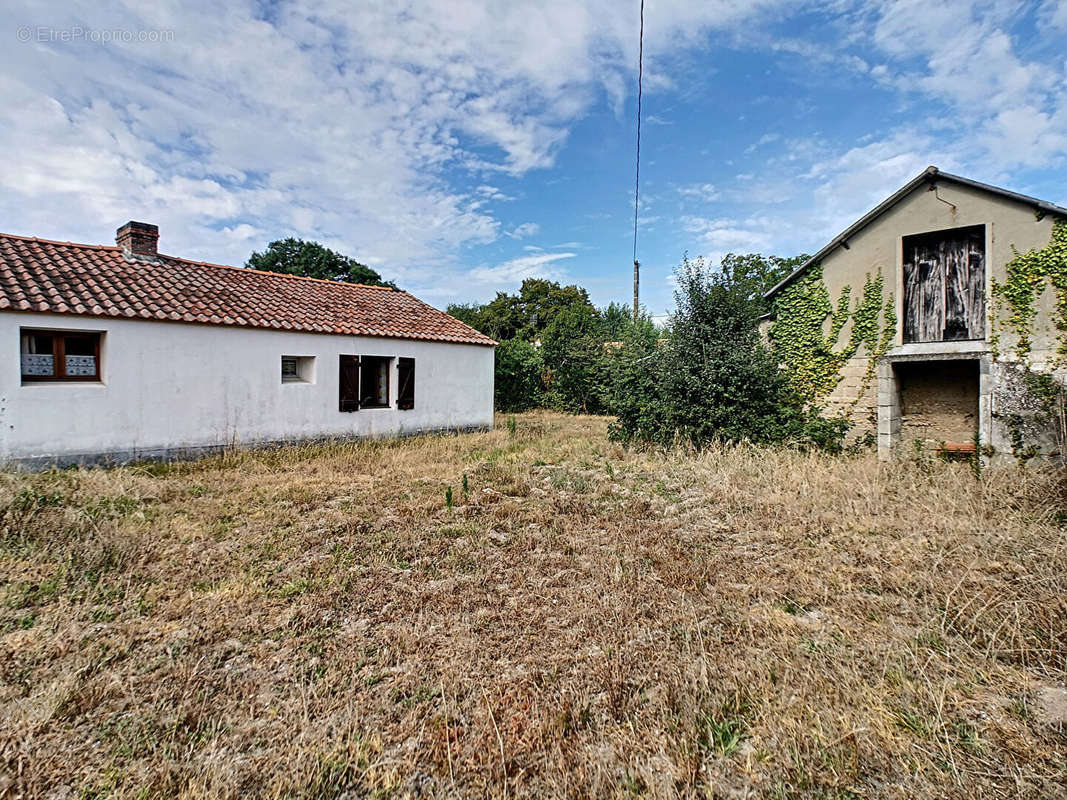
x: 485, y: 341
x: 928, y: 175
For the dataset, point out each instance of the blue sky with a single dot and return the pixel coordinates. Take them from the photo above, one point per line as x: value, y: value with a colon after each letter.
x: 461, y: 146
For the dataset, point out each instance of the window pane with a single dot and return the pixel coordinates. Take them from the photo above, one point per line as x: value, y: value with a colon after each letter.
x: 374, y: 381
x: 38, y: 365
x: 80, y: 345
x: 81, y: 366
x: 38, y: 344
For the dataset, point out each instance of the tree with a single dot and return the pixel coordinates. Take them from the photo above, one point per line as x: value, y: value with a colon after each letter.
x: 616, y: 319
x: 469, y: 314
x: 572, y: 349
x: 525, y: 315
x: 313, y: 260
x: 751, y: 274
x: 518, y: 376
x: 715, y: 380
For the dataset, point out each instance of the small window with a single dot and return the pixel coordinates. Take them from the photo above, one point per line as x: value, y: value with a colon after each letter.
x: 298, y: 369
x: 405, y: 377
x: 60, y: 356
x: 374, y: 382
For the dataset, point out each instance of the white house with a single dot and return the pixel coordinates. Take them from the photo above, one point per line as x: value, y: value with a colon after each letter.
x: 120, y: 353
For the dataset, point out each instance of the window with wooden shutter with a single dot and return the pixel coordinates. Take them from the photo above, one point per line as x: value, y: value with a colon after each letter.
x: 944, y: 285
x: 405, y: 398
x: 374, y: 381
x: 348, y: 384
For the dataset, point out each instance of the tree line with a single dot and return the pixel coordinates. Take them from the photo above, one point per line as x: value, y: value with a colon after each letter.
x: 707, y: 375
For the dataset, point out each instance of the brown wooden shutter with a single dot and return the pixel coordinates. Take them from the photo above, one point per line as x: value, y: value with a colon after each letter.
x: 348, y: 384
x: 405, y: 370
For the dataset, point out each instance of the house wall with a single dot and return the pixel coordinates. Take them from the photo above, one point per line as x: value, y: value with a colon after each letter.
x: 170, y: 388
x: 878, y: 247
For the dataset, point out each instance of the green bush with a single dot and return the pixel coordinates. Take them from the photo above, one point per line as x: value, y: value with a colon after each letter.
x: 518, y: 376
x: 714, y: 379
x: 573, y: 354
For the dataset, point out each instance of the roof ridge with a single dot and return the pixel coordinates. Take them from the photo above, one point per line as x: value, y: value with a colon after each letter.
x: 279, y: 274
x: 39, y: 240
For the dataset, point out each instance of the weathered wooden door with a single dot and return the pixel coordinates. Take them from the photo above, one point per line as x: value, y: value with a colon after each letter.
x: 944, y: 285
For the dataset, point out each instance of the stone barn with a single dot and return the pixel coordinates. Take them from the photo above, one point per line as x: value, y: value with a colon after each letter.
x: 938, y: 320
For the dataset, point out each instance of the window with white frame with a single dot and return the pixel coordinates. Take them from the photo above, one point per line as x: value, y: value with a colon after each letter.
x: 298, y: 369
x: 364, y: 382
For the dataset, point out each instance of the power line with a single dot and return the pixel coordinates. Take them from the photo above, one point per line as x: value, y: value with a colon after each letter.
x: 637, y: 166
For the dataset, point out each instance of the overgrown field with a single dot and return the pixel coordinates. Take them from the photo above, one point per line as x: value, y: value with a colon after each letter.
x: 532, y: 612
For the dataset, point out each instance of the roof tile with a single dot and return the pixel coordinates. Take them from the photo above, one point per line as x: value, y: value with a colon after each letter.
x: 97, y: 280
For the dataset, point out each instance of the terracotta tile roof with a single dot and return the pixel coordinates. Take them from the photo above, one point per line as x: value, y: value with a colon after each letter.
x: 97, y: 280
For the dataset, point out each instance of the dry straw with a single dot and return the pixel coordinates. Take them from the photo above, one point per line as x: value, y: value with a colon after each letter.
x: 587, y: 621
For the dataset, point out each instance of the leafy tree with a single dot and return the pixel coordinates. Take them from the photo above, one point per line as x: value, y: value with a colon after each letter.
x: 468, y: 313
x: 752, y: 274
x: 574, y: 357
x: 714, y: 380
x: 616, y: 320
x: 525, y: 315
x: 313, y: 260
x: 518, y: 376
x: 541, y: 301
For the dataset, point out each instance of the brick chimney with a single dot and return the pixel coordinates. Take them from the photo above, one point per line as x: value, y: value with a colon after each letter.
x: 138, y: 240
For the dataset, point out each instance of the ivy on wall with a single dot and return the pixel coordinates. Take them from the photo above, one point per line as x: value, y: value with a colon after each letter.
x: 809, y: 351
x: 1028, y: 275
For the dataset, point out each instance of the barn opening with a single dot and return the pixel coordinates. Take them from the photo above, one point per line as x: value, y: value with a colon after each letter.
x: 944, y: 285
x: 939, y: 403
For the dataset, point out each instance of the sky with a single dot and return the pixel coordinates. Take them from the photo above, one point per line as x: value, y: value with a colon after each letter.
x: 460, y: 146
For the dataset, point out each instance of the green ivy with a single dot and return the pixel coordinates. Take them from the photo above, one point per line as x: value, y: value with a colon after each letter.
x: 1028, y: 275
x: 810, y: 355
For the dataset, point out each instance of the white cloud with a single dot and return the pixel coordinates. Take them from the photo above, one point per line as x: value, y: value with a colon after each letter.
x: 357, y: 129
x: 524, y: 230
x: 765, y: 139
x: 512, y: 272
x: 961, y: 53
x: 491, y: 193
x: 1054, y: 14
x: 702, y: 192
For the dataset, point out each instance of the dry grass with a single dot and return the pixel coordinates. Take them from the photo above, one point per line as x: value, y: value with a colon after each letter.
x: 583, y: 621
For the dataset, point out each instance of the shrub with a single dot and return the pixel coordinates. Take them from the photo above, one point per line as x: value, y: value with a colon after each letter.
x: 714, y: 379
x: 518, y: 376
x: 573, y: 355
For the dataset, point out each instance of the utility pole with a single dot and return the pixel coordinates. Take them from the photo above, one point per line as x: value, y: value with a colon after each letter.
x: 637, y: 281
x: 637, y: 154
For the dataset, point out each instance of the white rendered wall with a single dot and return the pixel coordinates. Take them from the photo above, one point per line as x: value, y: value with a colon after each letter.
x: 175, y: 386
